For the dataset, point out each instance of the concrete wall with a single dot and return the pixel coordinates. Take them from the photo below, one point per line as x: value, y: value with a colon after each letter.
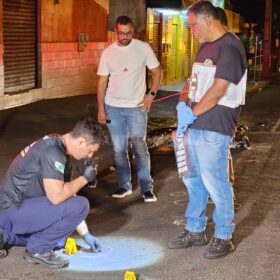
x: 64, y: 70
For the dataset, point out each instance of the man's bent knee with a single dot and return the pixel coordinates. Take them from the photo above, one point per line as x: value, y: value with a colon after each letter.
x: 79, y: 205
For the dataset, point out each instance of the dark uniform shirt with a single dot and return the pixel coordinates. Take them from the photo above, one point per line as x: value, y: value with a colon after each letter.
x: 43, y: 159
x: 228, y: 54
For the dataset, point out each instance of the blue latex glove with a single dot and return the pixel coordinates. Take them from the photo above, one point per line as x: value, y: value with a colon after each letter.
x: 92, y: 241
x: 185, y: 118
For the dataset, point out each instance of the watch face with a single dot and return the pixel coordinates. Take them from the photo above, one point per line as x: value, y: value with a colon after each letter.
x: 152, y: 93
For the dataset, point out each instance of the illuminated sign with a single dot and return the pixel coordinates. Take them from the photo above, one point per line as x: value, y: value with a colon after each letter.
x: 218, y: 3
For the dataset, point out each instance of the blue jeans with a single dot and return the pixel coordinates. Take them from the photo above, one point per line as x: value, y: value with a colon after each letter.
x: 209, y: 175
x: 130, y: 123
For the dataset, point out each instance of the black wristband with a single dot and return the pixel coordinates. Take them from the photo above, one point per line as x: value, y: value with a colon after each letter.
x: 151, y: 93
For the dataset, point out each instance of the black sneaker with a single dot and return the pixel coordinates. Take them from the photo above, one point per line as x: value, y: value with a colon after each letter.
x: 149, y: 196
x: 218, y: 248
x: 188, y: 239
x: 121, y: 192
x: 3, y: 252
x: 49, y: 259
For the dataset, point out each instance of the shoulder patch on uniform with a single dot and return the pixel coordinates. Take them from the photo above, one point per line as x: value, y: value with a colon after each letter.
x: 59, y: 166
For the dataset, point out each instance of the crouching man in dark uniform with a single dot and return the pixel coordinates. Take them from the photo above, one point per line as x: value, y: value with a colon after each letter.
x: 38, y: 208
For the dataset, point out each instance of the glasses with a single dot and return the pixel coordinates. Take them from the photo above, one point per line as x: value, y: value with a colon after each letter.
x: 124, y: 34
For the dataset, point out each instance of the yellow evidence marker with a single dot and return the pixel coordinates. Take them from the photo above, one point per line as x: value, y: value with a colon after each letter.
x: 70, y: 246
x: 130, y: 275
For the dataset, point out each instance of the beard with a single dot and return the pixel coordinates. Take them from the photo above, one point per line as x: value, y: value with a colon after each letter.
x: 125, y: 42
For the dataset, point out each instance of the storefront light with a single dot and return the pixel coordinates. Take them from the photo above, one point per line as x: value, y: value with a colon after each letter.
x: 169, y: 12
x: 218, y: 3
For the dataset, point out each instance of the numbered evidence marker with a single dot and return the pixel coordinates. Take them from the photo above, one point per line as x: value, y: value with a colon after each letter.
x: 70, y: 246
x: 130, y: 275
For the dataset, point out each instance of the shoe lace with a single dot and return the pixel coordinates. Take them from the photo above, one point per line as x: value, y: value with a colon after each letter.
x: 184, y: 234
x: 217, y: 243
x: 51, y: 255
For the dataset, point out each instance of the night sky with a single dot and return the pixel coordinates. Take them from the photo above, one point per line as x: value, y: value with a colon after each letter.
x: 251, y: 10
x: 254, y: 10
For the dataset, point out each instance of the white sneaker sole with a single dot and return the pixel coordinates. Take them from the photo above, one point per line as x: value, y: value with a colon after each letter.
x: 129, y: 192
x: 154, y: 199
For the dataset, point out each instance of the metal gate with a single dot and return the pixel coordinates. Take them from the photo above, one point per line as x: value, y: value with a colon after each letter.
x: 20, y: 45
x: 157, y: 35
x: 188, y: 52
x: 173, y: 68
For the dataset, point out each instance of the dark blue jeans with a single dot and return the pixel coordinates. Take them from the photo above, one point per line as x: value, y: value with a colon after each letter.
x: 39, y: 225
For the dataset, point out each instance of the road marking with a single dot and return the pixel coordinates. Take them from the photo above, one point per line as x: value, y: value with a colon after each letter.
x: 178, y: 194
x: 179, y: 222
x: 181, y: 202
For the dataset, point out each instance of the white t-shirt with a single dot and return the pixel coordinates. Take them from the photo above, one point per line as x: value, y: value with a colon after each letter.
x: 126, y: 68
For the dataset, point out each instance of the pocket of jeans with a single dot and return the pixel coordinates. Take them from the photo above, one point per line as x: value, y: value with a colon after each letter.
x: 211, y: 136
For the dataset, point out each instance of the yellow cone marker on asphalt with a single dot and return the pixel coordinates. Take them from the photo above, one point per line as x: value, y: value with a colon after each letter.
x: 130, y: 275
x: 70, y: 246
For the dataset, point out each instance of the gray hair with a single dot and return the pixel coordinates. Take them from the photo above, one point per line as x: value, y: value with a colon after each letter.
x: 202, y: 7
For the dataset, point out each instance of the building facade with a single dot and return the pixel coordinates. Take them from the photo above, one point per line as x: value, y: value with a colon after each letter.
x: 170, y: 37
x: 50, y: 48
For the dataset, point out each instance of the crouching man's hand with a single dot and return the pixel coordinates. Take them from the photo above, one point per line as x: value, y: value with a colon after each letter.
x: 92, y: 241
x: 88, y: 170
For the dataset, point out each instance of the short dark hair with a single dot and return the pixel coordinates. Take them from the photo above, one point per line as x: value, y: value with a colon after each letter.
x: 88, y: 127
x: 222, y: 16
x: 124, y: 20
x: 202, y: 7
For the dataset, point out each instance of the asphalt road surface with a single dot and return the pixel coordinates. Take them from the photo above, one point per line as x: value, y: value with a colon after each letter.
x: 134, y: 234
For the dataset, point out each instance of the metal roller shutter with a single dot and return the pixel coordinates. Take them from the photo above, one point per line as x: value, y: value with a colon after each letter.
x: 19, y: 28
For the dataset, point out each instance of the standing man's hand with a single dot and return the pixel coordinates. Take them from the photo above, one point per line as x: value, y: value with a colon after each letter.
x: 185, y: 118
x: 147, y: 102
x: 101, y: 92
x: 102, y: 116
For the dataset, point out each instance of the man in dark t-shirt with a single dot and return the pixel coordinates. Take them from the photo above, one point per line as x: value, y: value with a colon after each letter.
x: 38, y: 207
x: 215, y: 94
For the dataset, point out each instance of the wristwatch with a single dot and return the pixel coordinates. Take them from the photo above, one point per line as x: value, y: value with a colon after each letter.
x: 151, y: 93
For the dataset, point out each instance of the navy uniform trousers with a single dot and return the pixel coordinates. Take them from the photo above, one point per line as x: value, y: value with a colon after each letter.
x: 40, y: 225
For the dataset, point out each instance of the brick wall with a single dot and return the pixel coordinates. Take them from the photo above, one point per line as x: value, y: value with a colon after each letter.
x: 68, y: 72
x: 65, y: 72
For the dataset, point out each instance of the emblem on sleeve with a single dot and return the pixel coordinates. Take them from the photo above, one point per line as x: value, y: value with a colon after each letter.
x: 59, y: 166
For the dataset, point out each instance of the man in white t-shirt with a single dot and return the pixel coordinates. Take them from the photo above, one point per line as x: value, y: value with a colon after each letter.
x: 124, y: 100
